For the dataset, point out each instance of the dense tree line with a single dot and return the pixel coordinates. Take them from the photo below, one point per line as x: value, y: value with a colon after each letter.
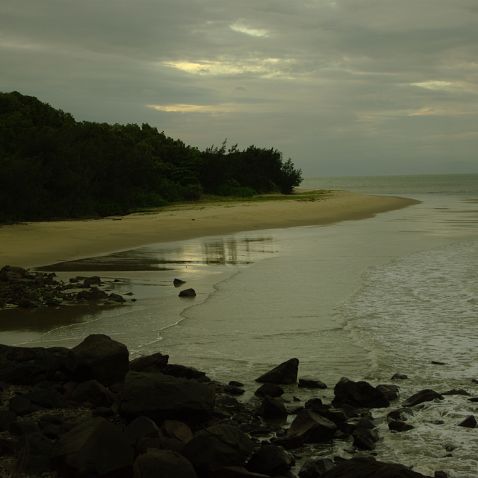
x: 52, y: 166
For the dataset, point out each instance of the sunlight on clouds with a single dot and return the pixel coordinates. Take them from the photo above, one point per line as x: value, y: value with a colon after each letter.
x: 240, y: 27
x: 266, y: 67
x: 188, y: 108
x: 436, y: 85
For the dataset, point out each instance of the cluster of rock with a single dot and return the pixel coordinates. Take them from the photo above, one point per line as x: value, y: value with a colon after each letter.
x: 20, y: 287
x: 91, y: 412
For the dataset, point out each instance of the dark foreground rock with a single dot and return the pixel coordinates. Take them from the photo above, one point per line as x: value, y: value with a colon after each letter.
x: 164, y: 464
x: 285, y: 373
x: 370, y: 468
x: 468, y: 422
x: 94, y: 448
x: 100, y: 358
x: 159, y: 396
x: 187, y: 293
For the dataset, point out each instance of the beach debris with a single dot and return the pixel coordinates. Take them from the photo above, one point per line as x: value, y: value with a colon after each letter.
x: 178, y: 282
x: 311, y: 383
x: 285, y: 373
x: 187, y: 293
x: 468, y: 422
x: 426, y: 395
x: 359, y: 394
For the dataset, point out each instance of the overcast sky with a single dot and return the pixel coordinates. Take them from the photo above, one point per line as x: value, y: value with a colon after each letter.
x: 342, y: 87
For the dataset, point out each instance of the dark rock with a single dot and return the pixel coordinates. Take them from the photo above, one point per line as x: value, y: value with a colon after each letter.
x: 399, y: 376
x: 474, y: 380
x: 116, y: 298
x: 468, y: 422
x: 219, y: 445
x: 359, y: 394
x: 92, y: 295
x: 36, y: 454
x: 270, y: 460
x: 9, y: 445
x: 473, y: 399
x: 269, y: 390
x: 456, y: 391
x: 149, y: 363
x: 234, y: 472
x: 399, y: 426
x: 285, y: 373
x: 177, y: 430
x: 92, y: 393
x: 312, y: 384
x: 164, y: 464
x: 272, y: 408
x: 159, y: 396
x: 400, y: 414
x: 25, y: 426
x: 178, y: 282
x: 140, y: 428
x: 95, y: 447
x: 390, y: 392
x: 234, y: 383
x: 422, y: 396
x: 316, y: 467
x: 101, y: 358
x: 46, y: 397
x: 7, y: 417
x: 22, y: 405
x: 102, y: 412
x: 310, y: 427
x: 187, y: 293
x: 90, y: 281
x: 314, y: 404
x: 52, y: 426
x: 28, y: 366
x: 12, y: 273
x: 436, y: 362
x: 440, y: 474
x: 181, y: 371
x: 365, y: 438
x: 236, y: 391
x: 366, y: 467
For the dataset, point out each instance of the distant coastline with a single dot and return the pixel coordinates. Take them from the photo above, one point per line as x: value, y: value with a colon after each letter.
x: 41, y: 243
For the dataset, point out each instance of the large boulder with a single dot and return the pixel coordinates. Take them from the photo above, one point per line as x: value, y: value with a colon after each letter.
x: 285, y: 373
x: 218, y: 446
x: 92, y: 393
x: 426, y: 395
x: 159, y: 396
x: 316, y: 467
x: 359, y: 394
x: 95, y: 447
x: 367, y: 467
x: 100, y: 358
x: 163, y: 463
x: 27, y: 366
x: 271, y: 408
x: 13, y: 273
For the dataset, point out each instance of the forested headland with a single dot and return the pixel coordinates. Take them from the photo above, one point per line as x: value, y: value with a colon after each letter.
x: 52, y: 166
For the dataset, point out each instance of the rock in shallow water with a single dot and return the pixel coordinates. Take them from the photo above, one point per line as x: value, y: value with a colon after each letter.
x: 285, y: 373
x: 359, y: 394
x: 426, y: 395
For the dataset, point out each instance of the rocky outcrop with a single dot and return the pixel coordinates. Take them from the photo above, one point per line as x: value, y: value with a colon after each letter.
x: 426, y: 395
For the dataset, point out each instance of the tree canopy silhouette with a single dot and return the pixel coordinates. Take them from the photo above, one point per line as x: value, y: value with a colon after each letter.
x: 52, y: 166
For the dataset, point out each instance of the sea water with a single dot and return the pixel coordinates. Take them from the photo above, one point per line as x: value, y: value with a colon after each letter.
x: 362, y: 299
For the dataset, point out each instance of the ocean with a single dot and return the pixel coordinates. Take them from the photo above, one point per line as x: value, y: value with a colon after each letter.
x: 362, y: 299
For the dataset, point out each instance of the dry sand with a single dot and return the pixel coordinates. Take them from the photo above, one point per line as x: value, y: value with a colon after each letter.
x: 41, y: 243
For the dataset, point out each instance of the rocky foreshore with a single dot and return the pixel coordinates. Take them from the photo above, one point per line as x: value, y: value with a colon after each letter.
x: 22, y: 288
x: 91, y: 412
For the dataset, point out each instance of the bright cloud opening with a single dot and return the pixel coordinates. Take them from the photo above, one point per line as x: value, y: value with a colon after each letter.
x: 240, y: 27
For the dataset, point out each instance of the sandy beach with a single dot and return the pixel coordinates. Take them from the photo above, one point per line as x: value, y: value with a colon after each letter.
x: 41, y: 243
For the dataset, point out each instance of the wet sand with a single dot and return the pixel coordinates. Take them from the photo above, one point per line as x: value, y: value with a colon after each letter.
x: 40, y: 243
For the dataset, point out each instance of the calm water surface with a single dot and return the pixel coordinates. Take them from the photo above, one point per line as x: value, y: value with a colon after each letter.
x: 362, y: 299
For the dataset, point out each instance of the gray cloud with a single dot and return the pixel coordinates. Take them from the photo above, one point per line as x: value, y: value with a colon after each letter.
x: 343, y: 87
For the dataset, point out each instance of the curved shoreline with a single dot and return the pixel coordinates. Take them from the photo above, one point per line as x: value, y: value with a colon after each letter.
x: 41, y: 243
